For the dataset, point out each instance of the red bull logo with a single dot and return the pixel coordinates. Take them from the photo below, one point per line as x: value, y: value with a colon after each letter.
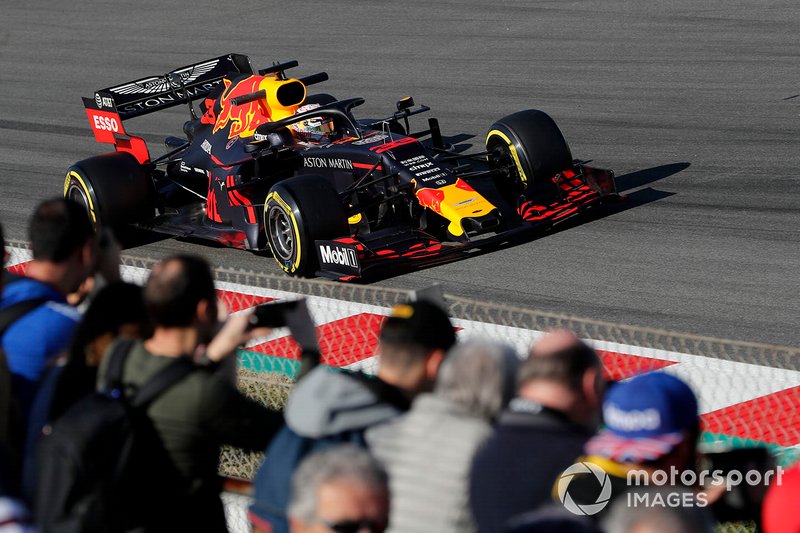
x: 455, y: 202
x: 431, y: 198
x: 241, y: 119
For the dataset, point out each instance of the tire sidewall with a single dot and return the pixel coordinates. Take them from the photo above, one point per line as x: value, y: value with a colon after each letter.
x: 281, y: 199
x: 512, y: 185
x: 500, y: 134
x: 118, y: 189
x: 76, y: 180
x: 312, y: 206
x: 537, y: 145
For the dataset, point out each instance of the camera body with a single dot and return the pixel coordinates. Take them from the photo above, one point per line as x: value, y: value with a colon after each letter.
x: 272, y: 315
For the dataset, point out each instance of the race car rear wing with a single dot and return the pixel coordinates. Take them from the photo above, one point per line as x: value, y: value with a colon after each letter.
x: 111, y: 106
x: 155, y: 93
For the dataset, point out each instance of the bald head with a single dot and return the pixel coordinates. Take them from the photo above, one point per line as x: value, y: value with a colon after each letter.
x: 563, y: 373
x: 175, y: 286
x: 559, y: 356
x: 554, y: 341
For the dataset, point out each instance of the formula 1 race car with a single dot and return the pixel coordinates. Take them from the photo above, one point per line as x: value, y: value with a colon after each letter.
x: 267, y: 166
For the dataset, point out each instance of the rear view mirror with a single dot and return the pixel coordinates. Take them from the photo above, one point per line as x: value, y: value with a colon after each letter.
x: 405, y: 103
x: 280, y: 138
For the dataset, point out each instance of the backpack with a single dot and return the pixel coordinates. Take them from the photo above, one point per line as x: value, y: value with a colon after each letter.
x: 102, y: 466
x: 11, y: 430
x: 272, y: 485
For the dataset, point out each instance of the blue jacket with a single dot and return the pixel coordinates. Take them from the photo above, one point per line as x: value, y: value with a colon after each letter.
x: 34, y: 340
x: 327, y: 407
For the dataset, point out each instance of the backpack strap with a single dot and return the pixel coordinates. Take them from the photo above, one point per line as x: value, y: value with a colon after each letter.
x: 14, y: 312
x: 156, y: 385
x: 116, y: 362
x: 164, y: 379
x: 11, y: 421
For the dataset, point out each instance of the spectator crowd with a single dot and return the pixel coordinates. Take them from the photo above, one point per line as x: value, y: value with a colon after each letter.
x: 448, y: 436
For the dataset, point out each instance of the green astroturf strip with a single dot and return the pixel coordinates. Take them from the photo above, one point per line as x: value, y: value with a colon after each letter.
x: 783, y: 456
x: 257, y: 362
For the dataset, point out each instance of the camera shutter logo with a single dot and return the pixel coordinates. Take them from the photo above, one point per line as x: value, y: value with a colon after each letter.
x: 586, y: 509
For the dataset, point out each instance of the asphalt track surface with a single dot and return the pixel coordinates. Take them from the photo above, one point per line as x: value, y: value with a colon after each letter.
x: 685, y: 100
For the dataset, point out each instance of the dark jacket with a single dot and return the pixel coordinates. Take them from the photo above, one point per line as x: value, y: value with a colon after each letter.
x: 327, y: 407
x: 585, y: 490
x: 515, y: 470
x: 61, y: 387
x: 193, y: 419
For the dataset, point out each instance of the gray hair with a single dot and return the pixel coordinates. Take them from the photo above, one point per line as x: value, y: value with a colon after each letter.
x: 342, y: 462
x: 480, y: 376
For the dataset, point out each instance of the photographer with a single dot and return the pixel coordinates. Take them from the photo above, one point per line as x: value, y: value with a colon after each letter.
x: 204, y: 410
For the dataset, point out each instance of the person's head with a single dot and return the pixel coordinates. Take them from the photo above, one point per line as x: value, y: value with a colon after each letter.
x: 413, y: 342
x: 180, y: 294
x: 116, y: 310
x: 563, y: 373
x: 650, y: 420
x: 342, y: 489
x: 643, y: 518
x: 480, y: 376
x: 62, y: 241
x: 316, y: 129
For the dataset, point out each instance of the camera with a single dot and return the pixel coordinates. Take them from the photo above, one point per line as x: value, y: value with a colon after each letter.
x: 272, y: 315
x: 748, y: 472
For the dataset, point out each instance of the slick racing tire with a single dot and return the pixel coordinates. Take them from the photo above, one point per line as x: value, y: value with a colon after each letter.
x: 531, y: 146
x: 114, y: 189
x: 297, y: 212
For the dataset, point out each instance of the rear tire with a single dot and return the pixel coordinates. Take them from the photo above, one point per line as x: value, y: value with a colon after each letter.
x: 114, y: 189
x: 297, y: 212
x: 530, y: 144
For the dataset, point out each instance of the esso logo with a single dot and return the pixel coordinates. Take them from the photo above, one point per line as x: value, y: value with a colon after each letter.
x: 106, y: 123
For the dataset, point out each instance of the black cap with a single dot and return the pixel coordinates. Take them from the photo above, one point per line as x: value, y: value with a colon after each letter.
x: 420, y: 323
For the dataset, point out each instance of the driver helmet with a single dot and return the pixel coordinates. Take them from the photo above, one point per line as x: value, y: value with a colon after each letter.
x: 314, y: 129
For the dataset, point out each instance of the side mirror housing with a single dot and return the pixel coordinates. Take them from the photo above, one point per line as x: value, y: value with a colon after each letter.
x: 405, y: 103
x: 276, y: 140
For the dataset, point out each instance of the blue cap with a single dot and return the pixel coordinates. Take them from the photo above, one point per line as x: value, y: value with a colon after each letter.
x: 645, y: 418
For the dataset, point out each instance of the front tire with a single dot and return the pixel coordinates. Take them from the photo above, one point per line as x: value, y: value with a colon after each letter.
x: 530, y: 145
x: 297, y: 212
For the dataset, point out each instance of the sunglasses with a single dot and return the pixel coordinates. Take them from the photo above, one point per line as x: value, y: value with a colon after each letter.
x: 355, y: 526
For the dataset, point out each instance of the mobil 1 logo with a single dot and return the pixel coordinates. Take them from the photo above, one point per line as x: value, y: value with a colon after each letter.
x: 338, y: 257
